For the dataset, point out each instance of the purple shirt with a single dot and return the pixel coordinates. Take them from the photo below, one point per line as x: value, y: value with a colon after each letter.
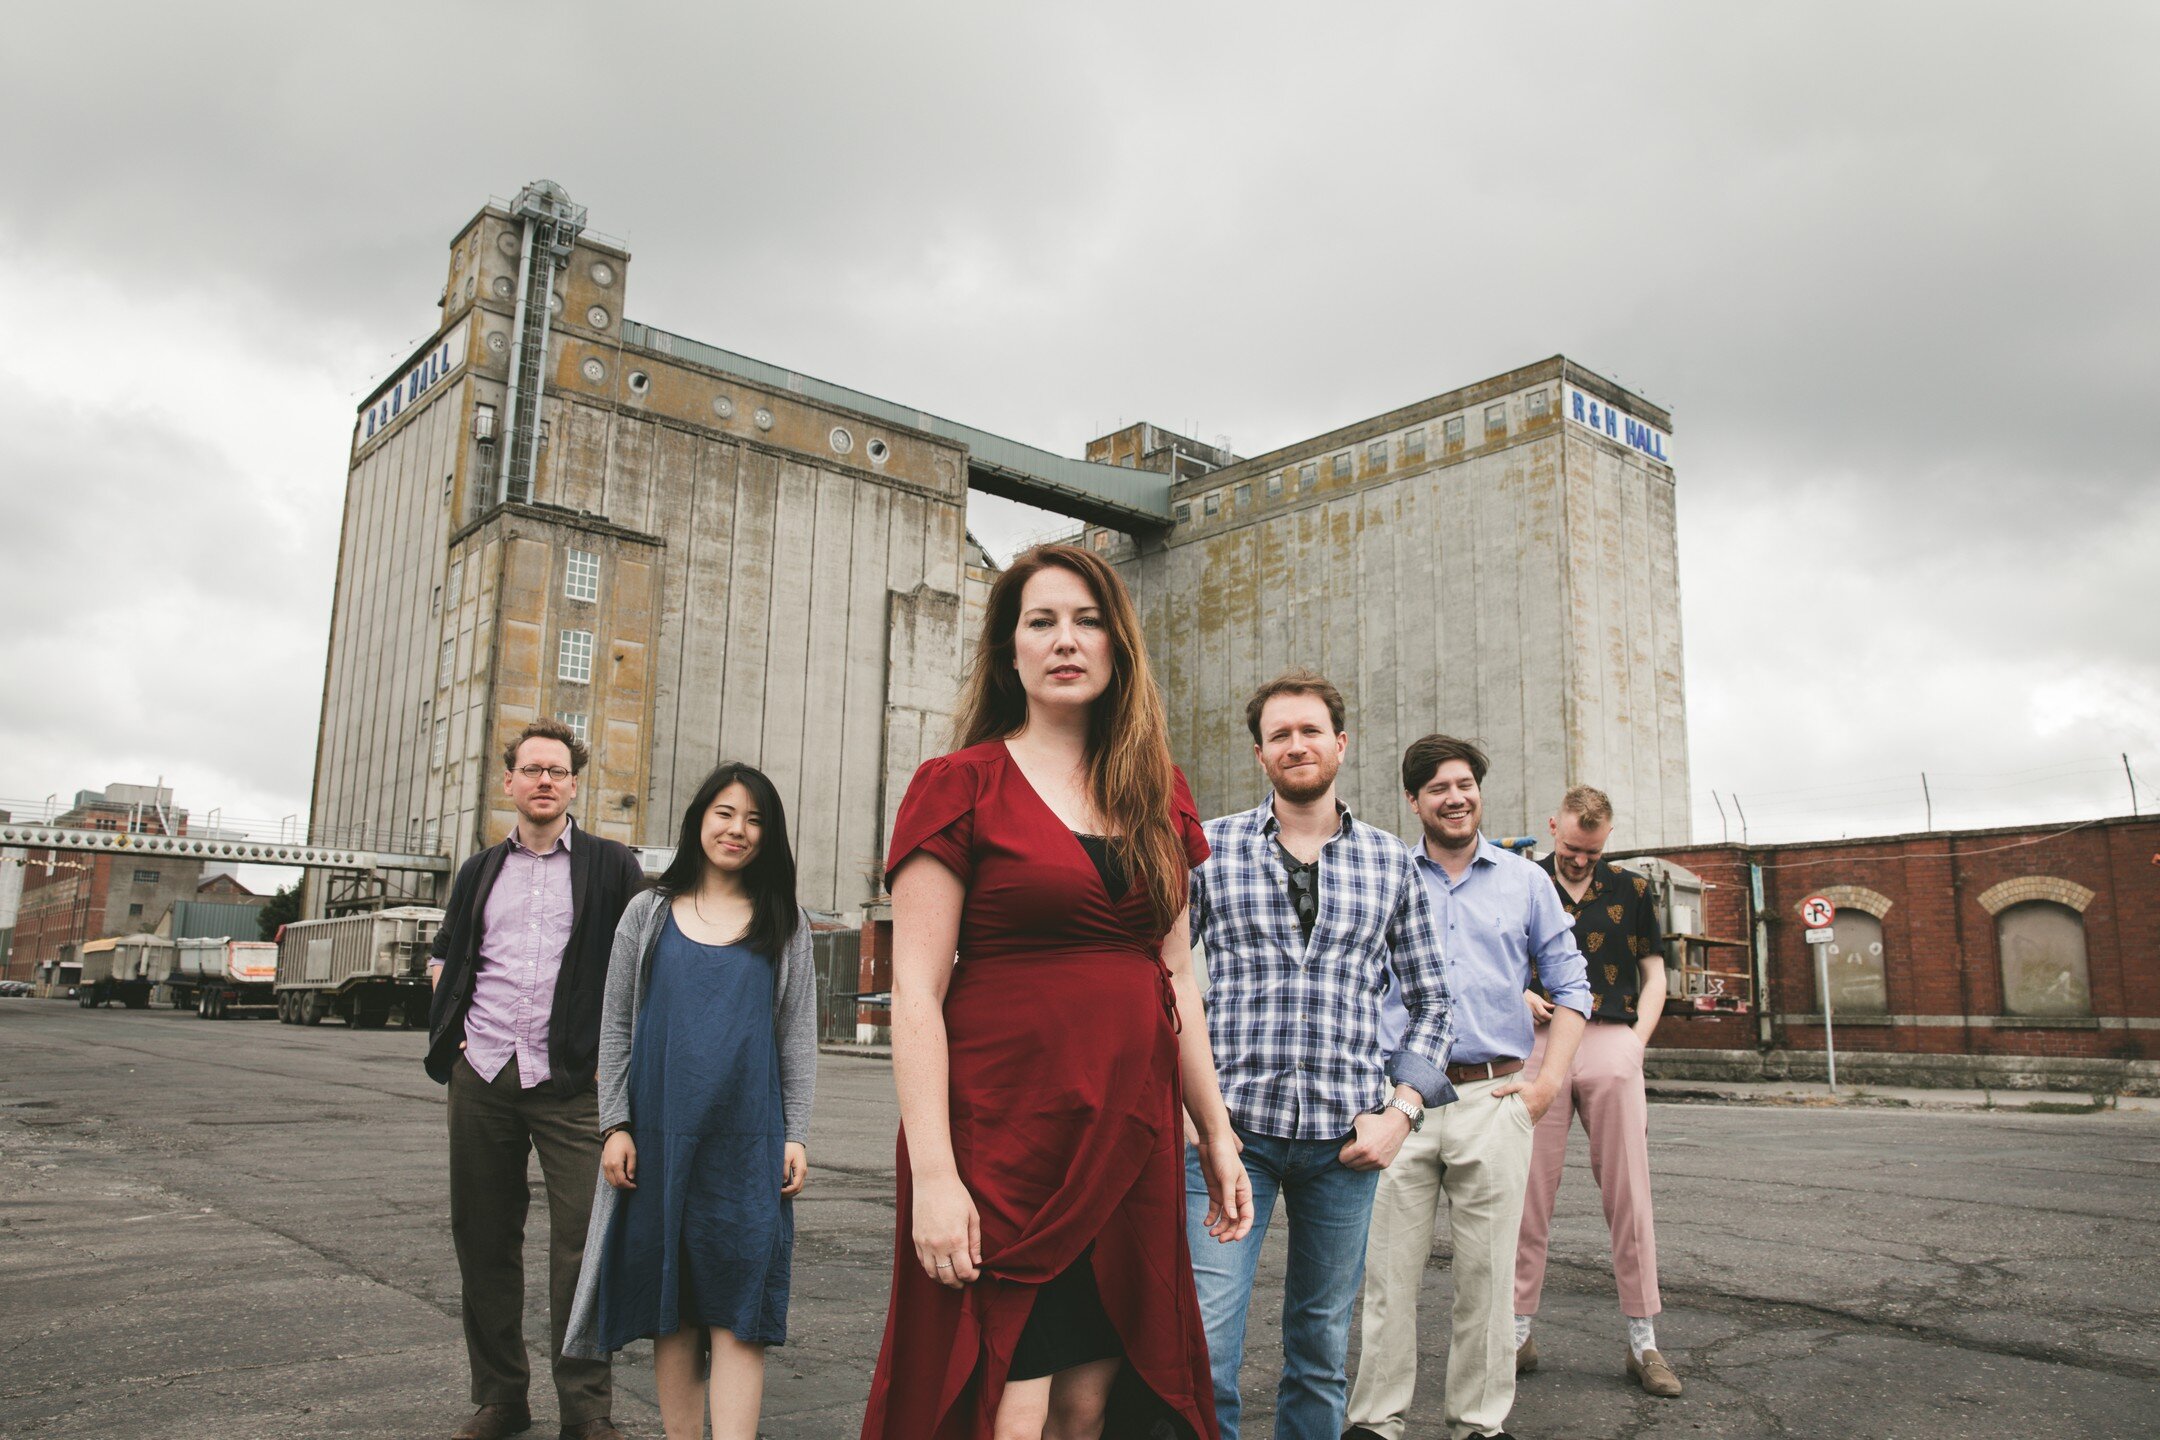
x: 525, y: 929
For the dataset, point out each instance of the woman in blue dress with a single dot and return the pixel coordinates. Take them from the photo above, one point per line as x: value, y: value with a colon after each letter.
x: 708, y: 1061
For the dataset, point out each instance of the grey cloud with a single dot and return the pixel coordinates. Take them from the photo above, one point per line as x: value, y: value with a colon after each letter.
x: 1889, y: 266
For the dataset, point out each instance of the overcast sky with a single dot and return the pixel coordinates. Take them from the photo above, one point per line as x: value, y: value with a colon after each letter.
x: 1891, y: 267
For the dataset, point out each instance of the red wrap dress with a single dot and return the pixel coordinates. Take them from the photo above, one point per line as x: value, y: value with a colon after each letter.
x: 1066, y: 1114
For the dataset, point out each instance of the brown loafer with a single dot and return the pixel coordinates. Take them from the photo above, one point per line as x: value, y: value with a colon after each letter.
x: 495, y: 1422
x: 1653, y: 1374
x: 1526, y: 1355
x: 601, y: 1429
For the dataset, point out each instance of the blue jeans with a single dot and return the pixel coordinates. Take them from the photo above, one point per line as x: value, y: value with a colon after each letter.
x: 1330, y: 1210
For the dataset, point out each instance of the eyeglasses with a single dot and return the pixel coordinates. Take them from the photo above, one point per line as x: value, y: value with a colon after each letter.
x: 553, y: 772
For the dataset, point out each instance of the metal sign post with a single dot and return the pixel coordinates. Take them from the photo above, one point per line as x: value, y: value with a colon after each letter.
x: 1829, y: 1037
x: 1818, y: 912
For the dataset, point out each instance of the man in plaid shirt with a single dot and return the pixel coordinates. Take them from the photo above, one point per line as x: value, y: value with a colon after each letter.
x: 1304, y: 913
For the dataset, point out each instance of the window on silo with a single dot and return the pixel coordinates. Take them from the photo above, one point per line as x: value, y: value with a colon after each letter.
x: 581, y: 577
x: 573, y: 657
x: 1274, y: 485
x: 1858, y: 981
x: 1244, y: 497
x: 447, y: 665
x: 2042, y: 946
x: 456, y: 588
x: 1538, y: 403
x: 1451, y: 430
x: 1184, y: 512
x: 575, y: 719
x: 1211, y: 503
x: 442, y: 743
x: 1341, y: 467
x: 1308, y: 475
x: 1376, y: 455
x: 1496, y: 420
x: 1413, y: 446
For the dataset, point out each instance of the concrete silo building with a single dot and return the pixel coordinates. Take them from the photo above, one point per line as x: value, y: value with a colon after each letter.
x: 690, y: 555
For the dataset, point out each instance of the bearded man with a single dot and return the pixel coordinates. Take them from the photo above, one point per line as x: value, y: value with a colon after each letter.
x: 1305, y: 913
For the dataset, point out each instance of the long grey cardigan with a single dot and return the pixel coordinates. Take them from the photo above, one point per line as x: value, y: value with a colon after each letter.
x: 629, y: 967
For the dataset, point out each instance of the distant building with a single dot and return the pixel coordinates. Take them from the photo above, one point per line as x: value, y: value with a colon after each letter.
x: 689, y: 555
x: 72, y: 897
x: 1498, y: 563
x: 11, y: 885
x: 2020, y: 955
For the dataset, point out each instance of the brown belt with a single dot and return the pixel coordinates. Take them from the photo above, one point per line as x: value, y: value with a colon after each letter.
x: 1482, y: 1070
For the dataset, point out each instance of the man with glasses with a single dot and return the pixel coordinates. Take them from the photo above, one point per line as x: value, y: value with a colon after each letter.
x: 1305, y: 913
x: 514, y: 1031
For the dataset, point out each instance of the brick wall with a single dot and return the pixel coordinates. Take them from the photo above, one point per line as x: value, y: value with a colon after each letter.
x: 1943, y: 967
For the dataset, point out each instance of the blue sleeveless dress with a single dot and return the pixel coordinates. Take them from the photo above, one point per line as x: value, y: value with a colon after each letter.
x: 706, y: 1238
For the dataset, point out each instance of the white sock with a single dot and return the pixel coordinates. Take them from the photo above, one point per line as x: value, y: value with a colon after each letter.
x: 1522, y: 1330
x: 1641, y: 1335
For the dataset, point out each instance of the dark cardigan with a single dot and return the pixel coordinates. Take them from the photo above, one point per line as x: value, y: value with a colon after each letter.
x: 604, y: 875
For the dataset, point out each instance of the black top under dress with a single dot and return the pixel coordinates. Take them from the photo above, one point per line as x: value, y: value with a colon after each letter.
x: 1068, y: 1325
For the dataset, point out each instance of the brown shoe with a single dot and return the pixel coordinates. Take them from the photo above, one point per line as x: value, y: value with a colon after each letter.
x: 1653, y: 1374
x: 601, y: 1429
x: 1526, y: 1355
x: 495, y: 1422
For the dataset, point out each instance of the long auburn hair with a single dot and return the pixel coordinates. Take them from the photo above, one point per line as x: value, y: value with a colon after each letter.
x: 770, y: 876
x: 1130, y: 777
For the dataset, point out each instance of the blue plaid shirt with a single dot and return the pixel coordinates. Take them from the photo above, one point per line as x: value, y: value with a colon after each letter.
x: 1295, y: 1024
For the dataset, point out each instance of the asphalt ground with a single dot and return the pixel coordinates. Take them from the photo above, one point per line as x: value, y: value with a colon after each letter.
x: 237, y: 1229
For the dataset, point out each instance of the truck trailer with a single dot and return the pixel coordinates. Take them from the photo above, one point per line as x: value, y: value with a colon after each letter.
x: 215, y: 977
x: 362, y: 968
x: 112, y: 969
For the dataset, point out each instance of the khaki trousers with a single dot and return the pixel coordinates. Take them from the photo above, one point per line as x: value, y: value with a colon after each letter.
x: 1476, y: 1152
x: 495, y: 1126
x: 1605, y: 1088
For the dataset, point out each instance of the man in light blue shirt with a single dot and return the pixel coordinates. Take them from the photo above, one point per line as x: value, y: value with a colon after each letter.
x: 1499, y: 920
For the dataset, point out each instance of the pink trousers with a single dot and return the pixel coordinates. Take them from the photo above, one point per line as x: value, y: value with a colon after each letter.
x: 1604, y: 1089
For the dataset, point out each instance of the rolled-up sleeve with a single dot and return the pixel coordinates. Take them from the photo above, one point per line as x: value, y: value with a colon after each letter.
x: 1421, y: 971
x: 1558, y: 960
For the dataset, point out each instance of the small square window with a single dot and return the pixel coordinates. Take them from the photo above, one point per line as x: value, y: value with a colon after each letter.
x: 448, y: 665
x: 1376, y: 455
x: 576, y: 721
x: 134, y: 910
x: 573, y: 657
x: 1496, y: 419
x: 1244, y: 497
x: 1540, y: 402
x: 1413, y: 445
x: 1451, y: 431
x: 1341, y: 466
x: 1211, y: 503
x: 1184, y: 512
x: 1274, y: 485
x: 581, y: 577
x: 1099, y: 541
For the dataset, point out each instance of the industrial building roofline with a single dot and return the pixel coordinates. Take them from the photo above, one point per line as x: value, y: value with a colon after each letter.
x: 1108, y: 495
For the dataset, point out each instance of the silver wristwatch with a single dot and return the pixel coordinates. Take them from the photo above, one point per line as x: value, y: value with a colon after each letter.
x: 1415, y: 1114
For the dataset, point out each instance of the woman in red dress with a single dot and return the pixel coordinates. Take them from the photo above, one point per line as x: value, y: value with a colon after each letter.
x: 1041, y: 1263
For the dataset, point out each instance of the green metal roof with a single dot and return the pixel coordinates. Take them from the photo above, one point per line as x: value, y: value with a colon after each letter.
x: 1109, y: 495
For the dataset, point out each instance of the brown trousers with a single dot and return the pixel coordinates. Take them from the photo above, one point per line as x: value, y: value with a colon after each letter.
x: 494, y: 1128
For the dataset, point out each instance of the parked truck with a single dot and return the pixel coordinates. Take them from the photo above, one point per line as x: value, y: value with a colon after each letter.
x: 112, y: 970
x: 217, y: 976
x: 362, y: 968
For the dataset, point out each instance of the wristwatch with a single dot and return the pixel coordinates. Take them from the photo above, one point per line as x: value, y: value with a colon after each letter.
x: 1415, y: 1114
